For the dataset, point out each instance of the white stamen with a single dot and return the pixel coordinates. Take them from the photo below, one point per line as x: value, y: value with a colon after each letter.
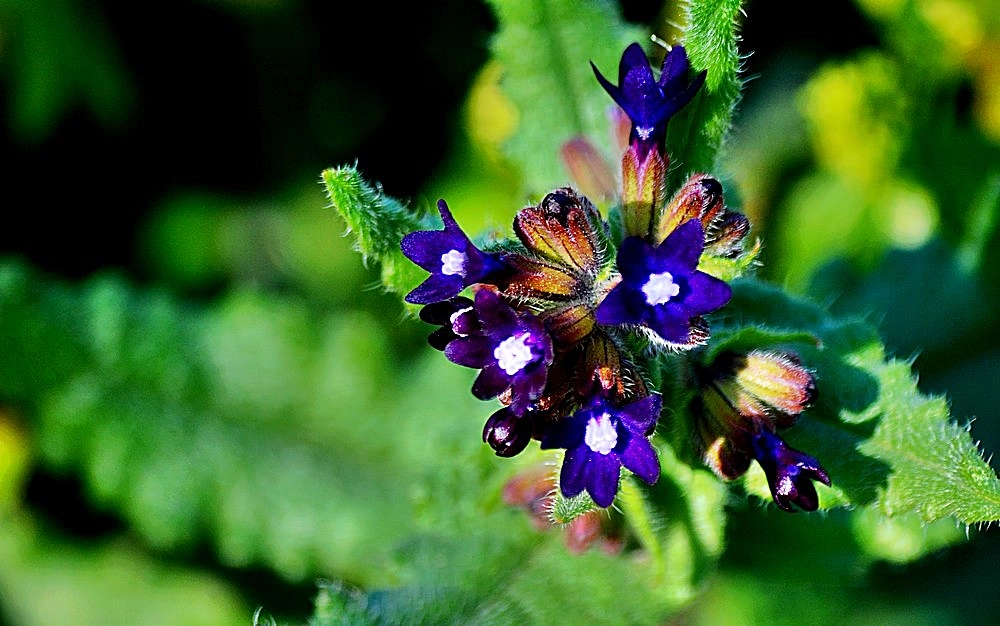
x: 661, y: 42
x: 455, y: 316
x: 660, y: 288
x: 512, y: 354
x: 601, y: 435
x: 453, y: 262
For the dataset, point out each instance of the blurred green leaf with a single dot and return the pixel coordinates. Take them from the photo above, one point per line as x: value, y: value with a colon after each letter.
x: 48, y: 579
x: 545, y: 48
x: 61, y: 55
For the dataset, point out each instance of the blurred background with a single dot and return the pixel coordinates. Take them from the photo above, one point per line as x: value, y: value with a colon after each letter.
x: 206, y: 403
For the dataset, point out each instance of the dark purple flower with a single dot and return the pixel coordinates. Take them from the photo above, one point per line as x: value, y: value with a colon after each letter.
x: 451, y: 258
x: 507, y: 433
x: 648, y: 102
x: 789, y: 472
x: 456, y: 318
x: 662, y: 288
x: 512, y: 348
x: 601, y: 439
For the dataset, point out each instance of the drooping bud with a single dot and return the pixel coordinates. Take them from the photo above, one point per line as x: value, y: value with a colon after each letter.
x: 779, y: 380
x: 744, y: 398
x: 790, y: 473
x: 507, y: 433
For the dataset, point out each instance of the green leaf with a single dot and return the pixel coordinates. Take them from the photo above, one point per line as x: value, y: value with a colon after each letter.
x: 545, y: 48
x: 378, y: 222
x: 104, y: 582
x: 245, y: 426
x: 696, y: 134
x: 885, y: 444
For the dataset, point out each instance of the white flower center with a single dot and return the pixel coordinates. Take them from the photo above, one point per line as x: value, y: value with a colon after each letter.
x: 512, y: 354
x: 455, y: 316
x: 453, y: 262
x: 601, y: 435
x: 660, y: 288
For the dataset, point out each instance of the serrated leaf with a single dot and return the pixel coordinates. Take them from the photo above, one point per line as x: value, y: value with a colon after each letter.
x: 884, y: 443
x: 545, y: 48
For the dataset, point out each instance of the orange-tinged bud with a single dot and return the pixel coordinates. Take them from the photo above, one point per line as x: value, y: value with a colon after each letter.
x: 700, y: 198
x: 642, y: 191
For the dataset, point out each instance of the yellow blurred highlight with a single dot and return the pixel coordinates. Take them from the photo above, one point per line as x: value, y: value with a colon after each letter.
x: 910, y: 215
x: 987, y: 88
x: 490, y: 118
x: 956, y: 23
x: 15, y: 457
x: 853, y: 113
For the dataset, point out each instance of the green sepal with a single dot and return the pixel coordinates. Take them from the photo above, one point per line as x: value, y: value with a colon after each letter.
x: 564, y: 510
x: 729, y: 269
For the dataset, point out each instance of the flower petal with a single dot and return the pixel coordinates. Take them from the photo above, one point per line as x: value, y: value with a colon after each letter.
x: 603, y: 473
x: 671, y: 322
x: 474, y: 351
x: 708, y: 294
x: 496, y: 316
x: 620, y: 307
x: 572, y: 476
x: 640, y: 416
x: 640, y: 458
x: 682, y: 247
x: 435, y: 288
x: 491, y: 382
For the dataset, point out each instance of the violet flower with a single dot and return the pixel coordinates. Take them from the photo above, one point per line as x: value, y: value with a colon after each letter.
x: 789, y: 472
x: 599, y: 440
x: 451, y: 258
x: 512, y: 348
x: 648, y: 102
x: 456, y: 318
x: 662, y: 288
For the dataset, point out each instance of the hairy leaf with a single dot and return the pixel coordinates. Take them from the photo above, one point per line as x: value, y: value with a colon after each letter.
x: 696, y: 134
x: 885, y: 444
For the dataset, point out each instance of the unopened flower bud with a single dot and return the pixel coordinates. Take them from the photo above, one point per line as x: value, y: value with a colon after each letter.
x: 701, y: 198
x: 508, y: 434
x: 588, y: 168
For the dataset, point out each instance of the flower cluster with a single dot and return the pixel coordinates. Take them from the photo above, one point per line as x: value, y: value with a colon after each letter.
x: 565, y: 320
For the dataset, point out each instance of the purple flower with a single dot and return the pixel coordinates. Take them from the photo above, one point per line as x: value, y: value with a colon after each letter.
x: 648, y: 102
x: 456, y: 318
x: 662, y: 288
x: 451, y: 258
x: 601, y: 439
x: 512, y: 348
x: 789, y: 472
